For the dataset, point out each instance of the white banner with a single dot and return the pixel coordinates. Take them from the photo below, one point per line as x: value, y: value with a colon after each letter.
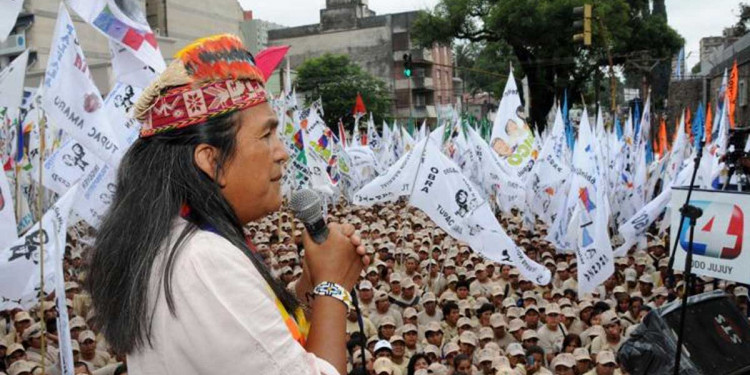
x: 19, y: 263
x: 721, y: 247
x: 396, y: 182
x: 71, y: 99
x: 124, y: 22
x: 635, y: 228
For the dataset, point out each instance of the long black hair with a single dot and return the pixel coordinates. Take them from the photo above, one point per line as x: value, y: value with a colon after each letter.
x: 156, y: 177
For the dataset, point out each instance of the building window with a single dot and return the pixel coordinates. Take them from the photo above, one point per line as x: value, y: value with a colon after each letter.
x: 419, y: 100
x: 742, y: 93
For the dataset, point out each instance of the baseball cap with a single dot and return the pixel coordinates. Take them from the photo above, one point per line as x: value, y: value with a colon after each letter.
x: 485, y: 355
x: 605, y: 356
x: 383, y: 365
x: 428, y: 297
x: 14, y: 348
x: 497, y: 290
x: 486, y: 333
x: 462, y: 322
x: 409, y: 328
x: 468, y: 337
x: 497, y: 320
x: 433, y: 327
x: 569, y: 312
x: 609, y: 317
x: 77, y: 322
x: 382, y: 344
x: 564, y: 359
x: 529, y: 334
x: 451, y: 347
x: 740, y: 291
x: 581, y: 354
x: 432, y: 349
x: 407, y: 283
x: 646, y: 279
x: 515, y: 349
x: 553, y: 308
x: 387, y: 321
x: 410, y: 312
x: 20, y: 367
x: 515, y: 325
x: 380, y: 296
x: 86, y: 335
x: 397, y: 338
x: 365, y: 285
x: 21, y: 316
x: 32, y: 332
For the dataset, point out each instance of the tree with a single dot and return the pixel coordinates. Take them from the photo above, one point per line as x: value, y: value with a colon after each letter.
x: 743, y: 24
x: 539, y: 34
x: 336, y: 80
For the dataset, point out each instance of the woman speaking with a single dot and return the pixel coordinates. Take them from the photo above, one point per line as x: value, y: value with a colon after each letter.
x: 173, y: 282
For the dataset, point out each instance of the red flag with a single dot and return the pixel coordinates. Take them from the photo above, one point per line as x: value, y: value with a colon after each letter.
x: 732, y: 92
x: 709, y: 123
x: 342, y: 134
x: 663, y: 144
x: 269, y: 59
x: 359, y: 106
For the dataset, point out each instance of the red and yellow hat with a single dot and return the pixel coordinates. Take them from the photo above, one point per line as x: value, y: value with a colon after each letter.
x: 211, y: 77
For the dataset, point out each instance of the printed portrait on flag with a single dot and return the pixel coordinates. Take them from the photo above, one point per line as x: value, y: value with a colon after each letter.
x: 514, y: 133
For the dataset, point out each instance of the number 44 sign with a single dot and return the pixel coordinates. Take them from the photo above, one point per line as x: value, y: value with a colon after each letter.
x: 720, y: 246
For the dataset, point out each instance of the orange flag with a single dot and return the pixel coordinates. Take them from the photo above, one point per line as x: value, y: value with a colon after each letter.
x: 732, y: 92
x: 709, y: 123
x: 688, y: 127
x: 663, y: 137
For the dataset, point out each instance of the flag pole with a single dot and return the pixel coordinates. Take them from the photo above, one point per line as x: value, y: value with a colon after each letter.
x: 40, y: 214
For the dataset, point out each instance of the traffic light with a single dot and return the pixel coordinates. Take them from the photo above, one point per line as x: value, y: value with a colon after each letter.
x: 583, y: 26
x: 407, y: 65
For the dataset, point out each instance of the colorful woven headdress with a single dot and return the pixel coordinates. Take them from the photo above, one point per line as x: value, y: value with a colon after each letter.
x: 211, y: 77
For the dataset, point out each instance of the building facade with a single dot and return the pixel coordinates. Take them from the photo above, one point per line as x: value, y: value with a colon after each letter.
x: 378, y: 44
x: 254, y: 32
x: 175, y: 23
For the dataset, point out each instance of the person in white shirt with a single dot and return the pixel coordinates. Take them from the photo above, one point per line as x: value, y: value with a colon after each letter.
x: 172, y: 274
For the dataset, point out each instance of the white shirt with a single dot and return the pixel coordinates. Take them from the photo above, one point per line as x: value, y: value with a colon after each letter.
x: 227, y: 321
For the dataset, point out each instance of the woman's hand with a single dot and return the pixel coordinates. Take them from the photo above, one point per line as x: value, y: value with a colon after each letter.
x: 340, y: 259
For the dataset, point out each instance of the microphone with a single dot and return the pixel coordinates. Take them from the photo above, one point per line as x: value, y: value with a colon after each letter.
x: 308, y: 208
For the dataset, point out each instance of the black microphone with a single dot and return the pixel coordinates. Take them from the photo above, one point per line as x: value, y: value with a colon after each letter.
x: 308, y: 208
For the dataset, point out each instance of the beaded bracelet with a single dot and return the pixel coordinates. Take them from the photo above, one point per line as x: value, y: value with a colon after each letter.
x: 334, y: 290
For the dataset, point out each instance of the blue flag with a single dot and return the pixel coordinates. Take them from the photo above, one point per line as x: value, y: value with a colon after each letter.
x: 569, y: 136
x: 19, y: 137
x: 698, y: 126
x: 618, y: 128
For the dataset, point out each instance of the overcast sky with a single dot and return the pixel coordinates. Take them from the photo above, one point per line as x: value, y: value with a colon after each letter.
x: 693, y: 19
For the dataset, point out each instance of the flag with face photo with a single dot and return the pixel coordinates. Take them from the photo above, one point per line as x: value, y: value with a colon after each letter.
x: 71, y: 100
x: 124, y: 22
x: 20, y: 272
x: 512, y: 138
x: 438, y: 188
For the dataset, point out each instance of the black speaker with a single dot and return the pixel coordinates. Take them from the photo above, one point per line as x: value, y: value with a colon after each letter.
x: 716, y: 339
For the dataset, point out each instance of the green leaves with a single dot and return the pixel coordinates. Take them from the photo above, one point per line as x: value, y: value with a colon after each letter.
x: 337, y: 80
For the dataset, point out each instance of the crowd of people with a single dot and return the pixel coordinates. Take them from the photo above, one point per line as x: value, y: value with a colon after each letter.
x: 429, y: 304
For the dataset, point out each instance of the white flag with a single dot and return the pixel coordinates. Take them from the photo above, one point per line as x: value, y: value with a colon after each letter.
x: 454, y: 204
x: 8, y: 228
x: 548, y: 175
x: 512, y: 138
x: 11, y: 81
x: 67, y: 165
x: 8, y: 17
x: 589, y: 222
x: 19, y: 263
x: 396, y: 182
x: 70, y: 97
x: 97, y: 192
x: 124, y: 22
x: 128, y: 69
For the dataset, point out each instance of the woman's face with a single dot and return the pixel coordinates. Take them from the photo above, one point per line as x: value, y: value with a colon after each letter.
x: 251, y: 178
x: 464, y: 367
x: 421, y: 364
